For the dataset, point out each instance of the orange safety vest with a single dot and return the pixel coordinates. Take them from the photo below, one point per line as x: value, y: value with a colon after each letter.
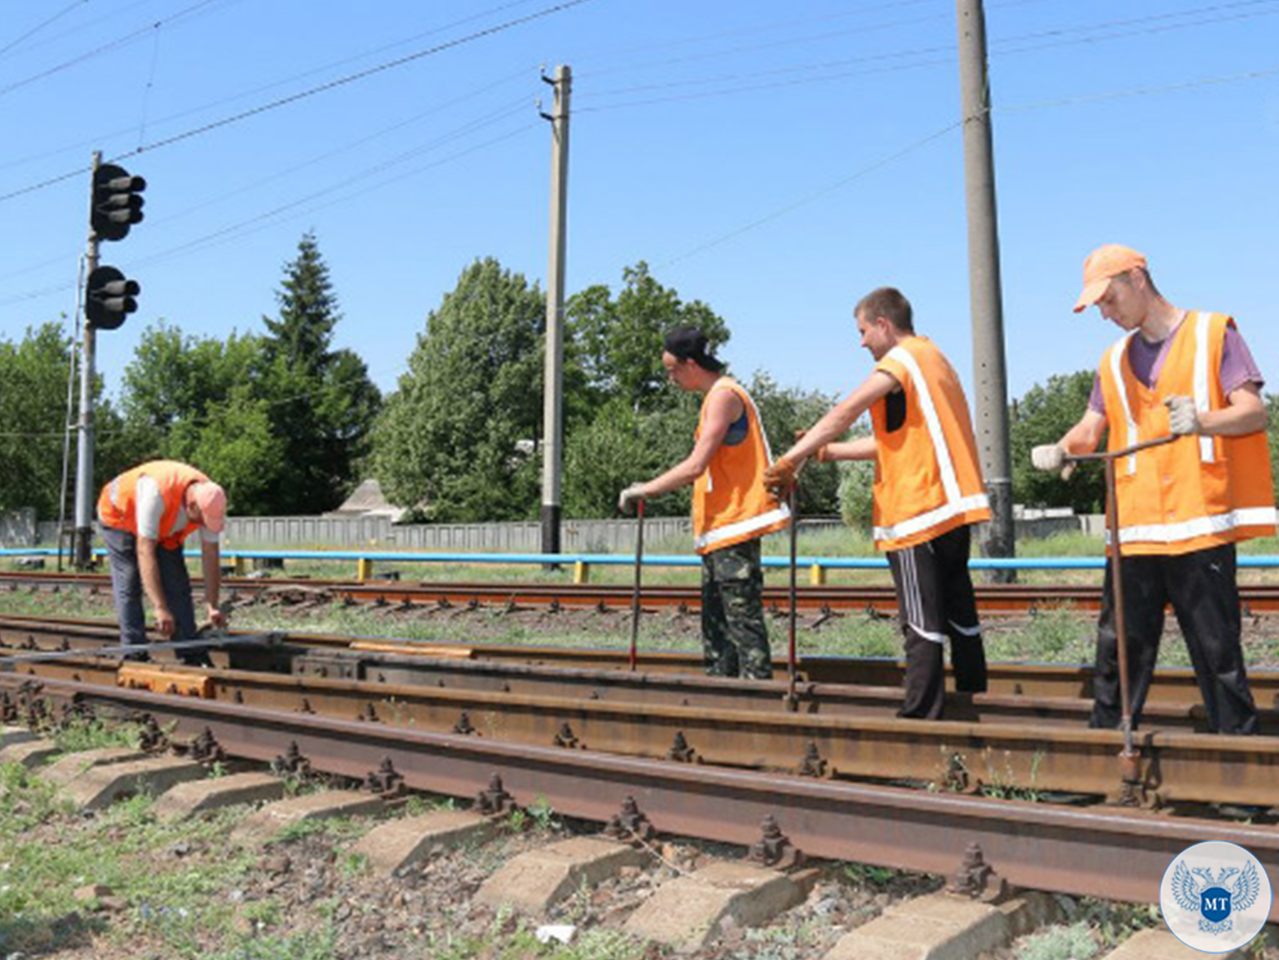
x: 730, y: 502
x: 1195, y: 492
x: 927, y: 477
x: 118, y: 507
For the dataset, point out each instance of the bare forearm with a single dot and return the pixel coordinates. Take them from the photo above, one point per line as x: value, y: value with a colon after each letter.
x: 210, y: 556
x: 1233, y: 421
x: 863, y: 448
x: 834, y: 424
x: 1084, y: 436
x: 149, y: 569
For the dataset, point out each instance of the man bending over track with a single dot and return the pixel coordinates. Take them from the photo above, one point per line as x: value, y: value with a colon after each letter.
x: 144, y: 516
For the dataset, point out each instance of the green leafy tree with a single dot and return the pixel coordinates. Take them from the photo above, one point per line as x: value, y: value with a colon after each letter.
x: 620, y: 447
x: 33, y: 400
x: 199, y: 400
x: 617, y: 342
x: 235, y: 446
x: 33, y: 418
x: 322, y: 403
x: 1042, y: 416
x: 624, y: 422
x: 856, y: 490
x: 174, y: 381
x: 457, y: 439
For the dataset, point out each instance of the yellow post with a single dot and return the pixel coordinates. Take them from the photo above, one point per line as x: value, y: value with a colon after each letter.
x: 240, y: 566
x: 363, y: 569
x: 817, y: 575
x: 581, y: 571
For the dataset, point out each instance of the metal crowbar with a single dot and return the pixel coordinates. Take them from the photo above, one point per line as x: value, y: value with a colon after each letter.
x: 1129, y: 768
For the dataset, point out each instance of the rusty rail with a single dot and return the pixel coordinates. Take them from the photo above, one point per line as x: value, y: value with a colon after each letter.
x: 1173, y: 686
x: 1116, y: 854
x: 992, y: 599
x: 856, y: 738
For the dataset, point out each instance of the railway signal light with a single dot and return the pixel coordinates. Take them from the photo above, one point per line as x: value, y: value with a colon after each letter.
x: 116, y: 202
x: 109, y: 297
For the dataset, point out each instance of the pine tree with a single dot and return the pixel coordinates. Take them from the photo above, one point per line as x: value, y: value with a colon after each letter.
x: 322, y: 402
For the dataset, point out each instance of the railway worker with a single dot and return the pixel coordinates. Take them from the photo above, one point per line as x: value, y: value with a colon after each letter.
x: 927, y: 493
x: 144, y: 516
x: 1182, y: 506
x: 731, y: 508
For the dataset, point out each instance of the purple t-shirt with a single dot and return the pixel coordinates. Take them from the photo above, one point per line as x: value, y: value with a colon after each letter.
x: 1147, y: 360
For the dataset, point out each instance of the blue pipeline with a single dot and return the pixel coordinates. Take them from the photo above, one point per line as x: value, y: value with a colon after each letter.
x: 655, y: 560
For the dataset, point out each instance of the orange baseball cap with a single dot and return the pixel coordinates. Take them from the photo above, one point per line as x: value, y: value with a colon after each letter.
x: 1102, y: 265
x: 212, y: 500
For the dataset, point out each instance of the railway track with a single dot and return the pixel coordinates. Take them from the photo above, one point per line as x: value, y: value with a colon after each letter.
x: 992, y: 599
x: 631, y: 878
x: 703, y: 757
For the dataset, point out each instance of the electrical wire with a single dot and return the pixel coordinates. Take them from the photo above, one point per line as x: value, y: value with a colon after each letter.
x: 299, y: 207
x: 310, y: 92
x: 816, y: 194
x: 116, y: 44
x: 246, y: 94
x: 937, y: 55
x: 40, y: 26
x: 1138, y: 91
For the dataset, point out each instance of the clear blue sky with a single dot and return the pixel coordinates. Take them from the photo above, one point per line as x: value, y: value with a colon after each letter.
x: 774, y: 160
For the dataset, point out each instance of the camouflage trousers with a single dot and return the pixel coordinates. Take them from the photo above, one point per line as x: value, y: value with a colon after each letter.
x: 734, y: 637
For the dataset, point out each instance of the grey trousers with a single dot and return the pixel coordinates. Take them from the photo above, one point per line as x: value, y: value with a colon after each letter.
x: 126, y: 589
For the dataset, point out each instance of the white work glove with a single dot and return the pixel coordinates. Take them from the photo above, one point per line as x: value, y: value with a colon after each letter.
x: 1183, y: 418
x: 1051, y: 458
x: 628, y: 496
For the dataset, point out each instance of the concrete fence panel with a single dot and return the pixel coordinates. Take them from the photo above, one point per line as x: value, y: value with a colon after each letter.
x: 18, y: 527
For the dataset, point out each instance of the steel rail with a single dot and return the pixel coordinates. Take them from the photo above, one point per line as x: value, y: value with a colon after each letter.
x: 1173, y: 767
x: 1114, y: 854
x: 1173, y: 686
x: 992, y: 599
x: 643, y: 689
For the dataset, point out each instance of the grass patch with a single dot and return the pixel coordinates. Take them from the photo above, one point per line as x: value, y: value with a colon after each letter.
x: 309, y: 945
x: 1074, y: 942
x: 49, y: 852
x: 81, y: 734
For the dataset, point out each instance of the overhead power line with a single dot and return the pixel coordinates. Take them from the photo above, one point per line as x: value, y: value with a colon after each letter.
x: 116, y: 44
x: 311, y: 92
x: 40, y: 26
x: 816, y: 194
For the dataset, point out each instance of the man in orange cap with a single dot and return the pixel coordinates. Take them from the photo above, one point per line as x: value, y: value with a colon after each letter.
x: 1184, y: 505
x: 144, y: 516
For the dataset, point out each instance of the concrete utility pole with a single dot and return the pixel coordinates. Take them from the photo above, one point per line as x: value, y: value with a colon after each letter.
x: 991, y: 382
x: 553, y: 402
x: 82, y: 551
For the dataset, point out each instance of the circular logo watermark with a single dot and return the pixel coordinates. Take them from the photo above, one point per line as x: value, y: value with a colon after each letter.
x: 1215, y: 896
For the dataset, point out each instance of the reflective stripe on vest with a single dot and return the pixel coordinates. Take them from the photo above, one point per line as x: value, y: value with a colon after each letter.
x: 738, y: 508
x: 956, y: 502
x: 1195, y: 492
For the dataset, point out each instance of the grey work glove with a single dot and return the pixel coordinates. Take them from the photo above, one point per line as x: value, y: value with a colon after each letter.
x: 1183, y: 418
x: 628, y: 496
x: 1051, y: 458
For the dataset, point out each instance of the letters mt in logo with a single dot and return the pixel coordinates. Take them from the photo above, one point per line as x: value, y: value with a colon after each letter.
x: 1195, y: 888
x: 1215, y: 896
